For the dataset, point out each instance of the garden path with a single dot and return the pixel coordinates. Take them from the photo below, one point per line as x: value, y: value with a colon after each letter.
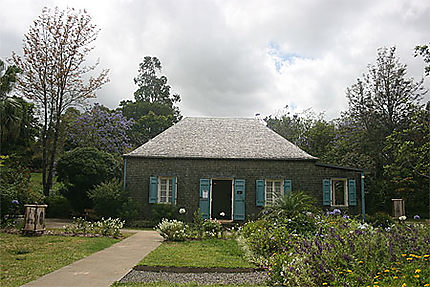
x: 104, y: 267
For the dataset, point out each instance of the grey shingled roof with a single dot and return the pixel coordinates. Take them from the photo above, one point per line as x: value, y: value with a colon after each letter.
x: 221, y: 138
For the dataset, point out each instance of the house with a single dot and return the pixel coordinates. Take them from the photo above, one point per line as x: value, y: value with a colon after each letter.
x: 231, y: 168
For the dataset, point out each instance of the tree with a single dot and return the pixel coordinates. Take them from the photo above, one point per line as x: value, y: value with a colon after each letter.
x: 291, y: 127
x: 9, y: 106
x: 383, y: 101
x: 7, y: 78
x: 82, y: 169
x: 53, y: 68
x: 151, y: 87
x: 409, y: 173
x: 18, y: 137
x: 424, y: 51
x: 154, y: 108
x: 19, y: 126
x: 150, y: 119
x: 380, y: 103
x: 101, y: 128
x: 308, y: 131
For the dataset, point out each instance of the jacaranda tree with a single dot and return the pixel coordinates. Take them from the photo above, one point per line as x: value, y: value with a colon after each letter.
x: 102, y: 129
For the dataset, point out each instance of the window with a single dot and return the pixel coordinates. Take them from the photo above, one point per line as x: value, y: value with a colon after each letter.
x: 273, y: 191
x: 165, y: 190
x: 339, y: 192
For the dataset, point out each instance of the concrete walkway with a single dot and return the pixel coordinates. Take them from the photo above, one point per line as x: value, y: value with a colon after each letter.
x: 104, y: 267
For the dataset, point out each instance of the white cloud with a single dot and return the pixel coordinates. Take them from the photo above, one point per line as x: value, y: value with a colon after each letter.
x: 217, y: 54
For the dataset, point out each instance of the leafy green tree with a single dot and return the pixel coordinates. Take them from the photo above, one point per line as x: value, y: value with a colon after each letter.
x: 291, y: 127
x: 424, y: 51
x: 153, y: 88
x: 380, y: 103
x: 384, y: 98
x: 81, y: 169
x: 308, y: 131
x: 53, y: 72
x: 154, y: 108
x: 409, y: 172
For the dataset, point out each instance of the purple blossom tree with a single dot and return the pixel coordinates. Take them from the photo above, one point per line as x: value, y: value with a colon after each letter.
x: 101, y: 128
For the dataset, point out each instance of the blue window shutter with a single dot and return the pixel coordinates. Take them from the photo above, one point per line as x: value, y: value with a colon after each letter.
x: 287, y: 186
x: 352, y: 192
x: 260, y: 192
x: 239, y: 199
x: 153, y: 189
x: 204, y: 201
x: 326, y: 192
x: 174, y: 190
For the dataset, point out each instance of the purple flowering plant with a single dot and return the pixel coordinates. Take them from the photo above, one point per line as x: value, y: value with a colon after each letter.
x: 342, y: 251
x: 103, y: 129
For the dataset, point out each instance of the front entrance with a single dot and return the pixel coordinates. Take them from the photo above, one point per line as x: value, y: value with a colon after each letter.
x: 221, y: 199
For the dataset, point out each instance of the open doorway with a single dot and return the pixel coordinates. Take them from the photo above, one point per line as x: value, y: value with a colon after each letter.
x: 221, y: 199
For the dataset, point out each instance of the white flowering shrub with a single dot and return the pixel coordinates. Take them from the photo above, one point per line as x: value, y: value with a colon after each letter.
x: 172, y: 230
x: 105, y: 227
x: 109, y: 227
x: 212, y: 229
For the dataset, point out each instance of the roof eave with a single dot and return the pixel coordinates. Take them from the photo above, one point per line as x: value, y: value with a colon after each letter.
x: 216, y: 158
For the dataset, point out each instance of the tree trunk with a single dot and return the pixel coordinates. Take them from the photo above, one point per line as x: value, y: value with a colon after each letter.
x: 45, y: 185
x: 53, y: 153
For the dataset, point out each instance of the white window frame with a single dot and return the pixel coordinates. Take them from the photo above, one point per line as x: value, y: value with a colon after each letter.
x: 333, y: 193
x: 272, y: 182
x: 169, y: 190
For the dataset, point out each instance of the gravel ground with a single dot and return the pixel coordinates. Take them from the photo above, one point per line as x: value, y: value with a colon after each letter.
x: 200, y: 278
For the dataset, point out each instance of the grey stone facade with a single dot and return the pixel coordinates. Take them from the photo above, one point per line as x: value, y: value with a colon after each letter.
x: 305, y: 175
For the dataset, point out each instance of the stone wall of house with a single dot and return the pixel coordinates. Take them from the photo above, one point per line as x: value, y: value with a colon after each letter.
x: 305, y: 176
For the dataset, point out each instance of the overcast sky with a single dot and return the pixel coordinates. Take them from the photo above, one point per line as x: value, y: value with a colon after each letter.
x: 239, y: 58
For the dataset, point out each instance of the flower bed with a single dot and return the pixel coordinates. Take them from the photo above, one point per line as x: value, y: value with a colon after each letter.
x: 335, y: 250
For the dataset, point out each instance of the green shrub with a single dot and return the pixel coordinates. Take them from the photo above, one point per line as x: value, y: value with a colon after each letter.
x: 14, y: 188
x: 58, y: 206
x: 167, y: 211
x: 82, y: 169
x: 107, y: 198
x: 110, y: 199
x: 172, y: 230
x: 291, y: 204
x: 212, y: 229
x: 130, y: 210
x: 380, y: 219
x: 196, y: 230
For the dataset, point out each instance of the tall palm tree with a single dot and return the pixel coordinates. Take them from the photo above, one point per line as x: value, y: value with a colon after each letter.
x: 10, y: 108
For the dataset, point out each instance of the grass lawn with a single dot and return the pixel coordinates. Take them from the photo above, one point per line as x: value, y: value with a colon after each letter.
x: 24, y: 259
x: 204, y: 253
x: 167, y: 284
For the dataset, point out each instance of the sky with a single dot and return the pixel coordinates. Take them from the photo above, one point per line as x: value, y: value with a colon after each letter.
x: 239, y: 58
